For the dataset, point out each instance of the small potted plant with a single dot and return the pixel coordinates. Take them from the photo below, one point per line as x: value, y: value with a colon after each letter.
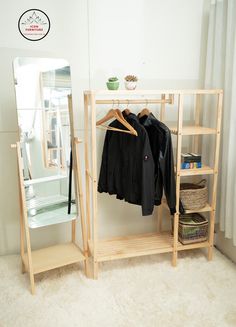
x: 131, y: 82
x: 113, y: 83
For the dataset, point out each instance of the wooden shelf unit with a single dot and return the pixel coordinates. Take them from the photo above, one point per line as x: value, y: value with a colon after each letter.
x: 145, y: 244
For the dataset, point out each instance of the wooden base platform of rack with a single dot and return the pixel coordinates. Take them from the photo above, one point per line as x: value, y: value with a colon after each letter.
x: 138, y: 245
x: 145, y: 244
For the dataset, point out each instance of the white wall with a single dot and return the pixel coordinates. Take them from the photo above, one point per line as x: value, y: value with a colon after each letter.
x: 163, y: 42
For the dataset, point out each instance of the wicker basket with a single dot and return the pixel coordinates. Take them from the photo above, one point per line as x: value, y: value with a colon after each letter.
x: 193, y: 228
x: 194, y: 196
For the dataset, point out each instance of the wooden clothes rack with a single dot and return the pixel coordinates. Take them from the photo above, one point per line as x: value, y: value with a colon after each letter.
x: 158, y: 242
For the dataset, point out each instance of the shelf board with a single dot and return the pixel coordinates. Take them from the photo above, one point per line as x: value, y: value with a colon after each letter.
x: 182, y: 247
x: 44, y: 179
x: 205, y: 170
x: 139, y: 245
x: 193, y: 130
x: 42, y: 202
x: 207, y: 208
x: 54, y: 256
x: 51, y: 217
x: 133, y: 246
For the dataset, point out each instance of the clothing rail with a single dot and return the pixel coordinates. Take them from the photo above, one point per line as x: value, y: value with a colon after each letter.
x: 169, y: 100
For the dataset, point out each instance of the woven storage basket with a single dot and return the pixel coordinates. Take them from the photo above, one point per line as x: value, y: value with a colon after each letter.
x: 193, y: 228
x: 194, y: 196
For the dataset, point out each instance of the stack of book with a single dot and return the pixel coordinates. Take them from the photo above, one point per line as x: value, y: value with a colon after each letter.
x: 191, y: 160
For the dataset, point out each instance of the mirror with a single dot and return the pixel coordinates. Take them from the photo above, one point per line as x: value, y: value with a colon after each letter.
x: 42, y: 86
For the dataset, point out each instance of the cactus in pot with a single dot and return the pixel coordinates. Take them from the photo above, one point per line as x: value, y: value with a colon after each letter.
x: 131, y: 82
x: 113, y: 83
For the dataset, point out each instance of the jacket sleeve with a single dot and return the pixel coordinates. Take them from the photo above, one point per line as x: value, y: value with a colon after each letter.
x: 148, y: 187
x: 168, y: 173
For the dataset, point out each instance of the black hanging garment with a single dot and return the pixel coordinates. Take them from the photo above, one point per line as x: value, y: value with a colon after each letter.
x: 161, y: 145
x: 127, y: 167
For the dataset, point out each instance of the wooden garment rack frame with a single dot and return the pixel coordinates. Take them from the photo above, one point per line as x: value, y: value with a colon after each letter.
x: 59, y: 255
x: 158, y: 242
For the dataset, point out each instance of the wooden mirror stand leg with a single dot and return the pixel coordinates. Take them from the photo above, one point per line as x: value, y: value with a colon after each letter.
x: 24, y: 228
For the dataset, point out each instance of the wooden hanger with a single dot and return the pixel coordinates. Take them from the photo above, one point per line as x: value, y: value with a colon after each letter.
x: 145, y: 111
x: 127, y: 111
x: 116, y: 114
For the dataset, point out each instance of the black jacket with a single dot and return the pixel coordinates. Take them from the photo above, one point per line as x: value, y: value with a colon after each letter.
x: 127, y: 167
x: 161, y: 145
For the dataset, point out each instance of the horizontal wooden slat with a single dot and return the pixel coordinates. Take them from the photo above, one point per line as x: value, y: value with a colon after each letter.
x: 153, y: 92
x: 54, y: 257
x: 192, y: 246
x: 205, y: 170
x: 193, y: 130
x: 132, y: 246
x: 138, y: 245
x: 207, y: 208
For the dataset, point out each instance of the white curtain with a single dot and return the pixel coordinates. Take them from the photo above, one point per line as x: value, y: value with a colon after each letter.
x: 221, y: 73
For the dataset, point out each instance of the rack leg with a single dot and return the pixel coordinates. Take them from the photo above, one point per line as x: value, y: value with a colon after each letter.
x: 175, y: 239
x: 174, y: 258
x: 95, y: 270
x: 86, y: 266
x: 22, y: 246
x: 159, y: 219
x: 32, y: 284
x: 23, y: 270
x: 211, y: 235
x: 210, y: 253
x: 73, y: 230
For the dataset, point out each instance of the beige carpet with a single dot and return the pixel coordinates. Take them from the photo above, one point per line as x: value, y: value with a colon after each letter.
x: 139, y: 292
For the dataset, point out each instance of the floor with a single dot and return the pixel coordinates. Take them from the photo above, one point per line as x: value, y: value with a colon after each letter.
x: 140, y: 292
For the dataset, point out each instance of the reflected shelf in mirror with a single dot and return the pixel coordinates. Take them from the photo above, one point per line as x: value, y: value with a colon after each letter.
x: 56, y: 214
x: 44, y: 179
x: 38, y: 202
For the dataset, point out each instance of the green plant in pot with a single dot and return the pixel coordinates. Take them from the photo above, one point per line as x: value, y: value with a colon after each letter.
x: 113, y: 83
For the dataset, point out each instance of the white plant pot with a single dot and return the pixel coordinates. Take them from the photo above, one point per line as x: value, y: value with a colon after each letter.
x: 130, y: 85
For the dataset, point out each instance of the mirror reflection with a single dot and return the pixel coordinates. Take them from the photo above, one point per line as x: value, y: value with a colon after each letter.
x: 42, y: 86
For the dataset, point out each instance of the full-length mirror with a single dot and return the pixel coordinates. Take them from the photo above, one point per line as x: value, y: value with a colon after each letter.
x: 42, y: 86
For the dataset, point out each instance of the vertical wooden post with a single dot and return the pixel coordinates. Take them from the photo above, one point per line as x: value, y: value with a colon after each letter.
x: 78, y: 188
x: 197, y: 114
x: 163, y: 107
x: 70, y: 106
x: 87, y: 166
x: 159, y: 218
x: 25, y: 218
x: 215, y: 176
x: 81, y: 205
x: 94, y: 185
x: 22, y: 225
x: 178, y: 167
x: 160, y: 208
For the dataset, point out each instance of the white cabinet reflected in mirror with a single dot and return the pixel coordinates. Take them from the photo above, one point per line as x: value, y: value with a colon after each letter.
x: 42, y: 86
